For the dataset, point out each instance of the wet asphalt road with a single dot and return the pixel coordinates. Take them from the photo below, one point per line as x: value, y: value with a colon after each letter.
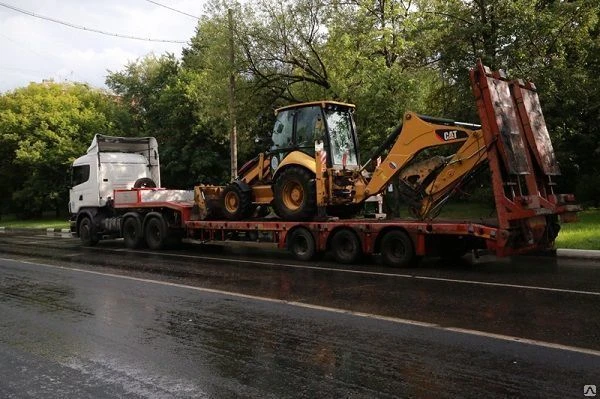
x: 213, y: 322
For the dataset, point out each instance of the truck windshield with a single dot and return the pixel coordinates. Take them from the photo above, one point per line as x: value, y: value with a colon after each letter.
x: 341, y: 137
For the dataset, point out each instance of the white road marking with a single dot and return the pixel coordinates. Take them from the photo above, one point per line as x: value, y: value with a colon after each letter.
x: 364, y: 272
x: 396, y: 320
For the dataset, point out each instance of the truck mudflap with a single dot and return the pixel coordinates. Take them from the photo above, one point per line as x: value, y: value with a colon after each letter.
x: 522, y: 162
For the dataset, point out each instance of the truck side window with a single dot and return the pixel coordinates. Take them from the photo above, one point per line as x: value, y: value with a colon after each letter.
x: 81, y: 174
x: 307, y: 126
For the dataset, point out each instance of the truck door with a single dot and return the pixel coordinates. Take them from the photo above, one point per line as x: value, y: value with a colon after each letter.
x: 84, y: 187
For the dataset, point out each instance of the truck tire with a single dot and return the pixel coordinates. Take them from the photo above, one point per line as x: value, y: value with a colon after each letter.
x: 397, y: 249
x: 156, y: 233
x: 346, y: 247
x: 87, y: 232
x: 132, y: 232
x: 144, y: 182
x: 236, y: 204
x: 294, y: 194
x: 301, y: 244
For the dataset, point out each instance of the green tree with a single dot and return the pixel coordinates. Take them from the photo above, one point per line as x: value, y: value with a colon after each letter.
x: 43, y: 128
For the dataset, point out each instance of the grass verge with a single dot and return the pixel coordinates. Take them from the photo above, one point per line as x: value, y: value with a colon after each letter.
x: 584, y: 234
x: 11, y: 221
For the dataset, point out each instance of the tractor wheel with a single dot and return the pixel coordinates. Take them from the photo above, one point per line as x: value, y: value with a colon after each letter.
x: 301, y: 244
x: 344, y: 211
x: 87, y: 232
x: 295, y: 195
x: 346, y: 247
x: 132, y: 232
x: 235, y: 203
x: 397, y: 249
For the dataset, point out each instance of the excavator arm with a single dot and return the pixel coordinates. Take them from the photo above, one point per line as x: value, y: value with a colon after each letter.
x: 426, y: 184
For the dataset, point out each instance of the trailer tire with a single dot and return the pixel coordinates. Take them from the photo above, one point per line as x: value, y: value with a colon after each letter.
x: 236, y: 204
x: 346, y: 246
x: 132, y: 232
x: 87, y: 232
x: 397, y: 249
x: 294, y: 194
x: 156, y: 233
x: 301, y: 244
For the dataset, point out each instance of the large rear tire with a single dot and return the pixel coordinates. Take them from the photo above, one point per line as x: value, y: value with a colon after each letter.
x: 87, y: 232
x: 132, y: 232
x: 295, y: 195
x: 236, y: 204
x: 397, y: 249
x: 301, y: 244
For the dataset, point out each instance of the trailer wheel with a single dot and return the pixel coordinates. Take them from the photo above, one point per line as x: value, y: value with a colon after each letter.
x: 397, y: 249
x: 87, y: 232
x: 301, y: 244
x: 346, y: 246
x: 235, y: 203
x: 156, y: 233
x: 132, y: 232
x: 295, y: 195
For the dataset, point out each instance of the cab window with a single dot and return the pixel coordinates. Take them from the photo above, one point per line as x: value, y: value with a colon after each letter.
x: 309, y: 126
x: 80, y: 174
x: 283, y: 130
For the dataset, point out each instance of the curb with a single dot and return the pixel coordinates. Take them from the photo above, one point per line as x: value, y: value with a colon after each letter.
x: 577, y: 253
x: 50, y: 232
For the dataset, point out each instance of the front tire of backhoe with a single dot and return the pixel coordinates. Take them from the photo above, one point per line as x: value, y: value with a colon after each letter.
x: 236, y: 204
x: 295, y: 195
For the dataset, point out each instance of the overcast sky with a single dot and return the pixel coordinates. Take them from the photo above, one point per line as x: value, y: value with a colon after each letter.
x: 32, y: 49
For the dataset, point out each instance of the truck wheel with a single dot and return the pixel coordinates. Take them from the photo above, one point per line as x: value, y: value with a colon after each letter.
x: 346, y: 246
x: 397, y: 249
x: 132, y: 233
x: 87, y: 232
x: 301, y: 244
x: 295, y: 195
x: 156, y: 233
x: 144, y: 182
x: 235, y: 203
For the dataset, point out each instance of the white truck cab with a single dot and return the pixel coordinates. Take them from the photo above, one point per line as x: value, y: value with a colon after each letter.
x: 113, y: 163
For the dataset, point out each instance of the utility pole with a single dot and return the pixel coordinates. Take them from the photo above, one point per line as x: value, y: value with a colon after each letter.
x: 232, y: 118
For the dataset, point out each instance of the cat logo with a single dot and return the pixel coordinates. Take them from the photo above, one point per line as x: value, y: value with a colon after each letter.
x: 449, y: 135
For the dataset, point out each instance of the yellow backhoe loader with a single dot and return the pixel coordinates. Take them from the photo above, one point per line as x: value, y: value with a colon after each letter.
x: 313, y: 167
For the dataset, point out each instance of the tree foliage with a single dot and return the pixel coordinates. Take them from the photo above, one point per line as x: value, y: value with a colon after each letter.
x: 43, y: 128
